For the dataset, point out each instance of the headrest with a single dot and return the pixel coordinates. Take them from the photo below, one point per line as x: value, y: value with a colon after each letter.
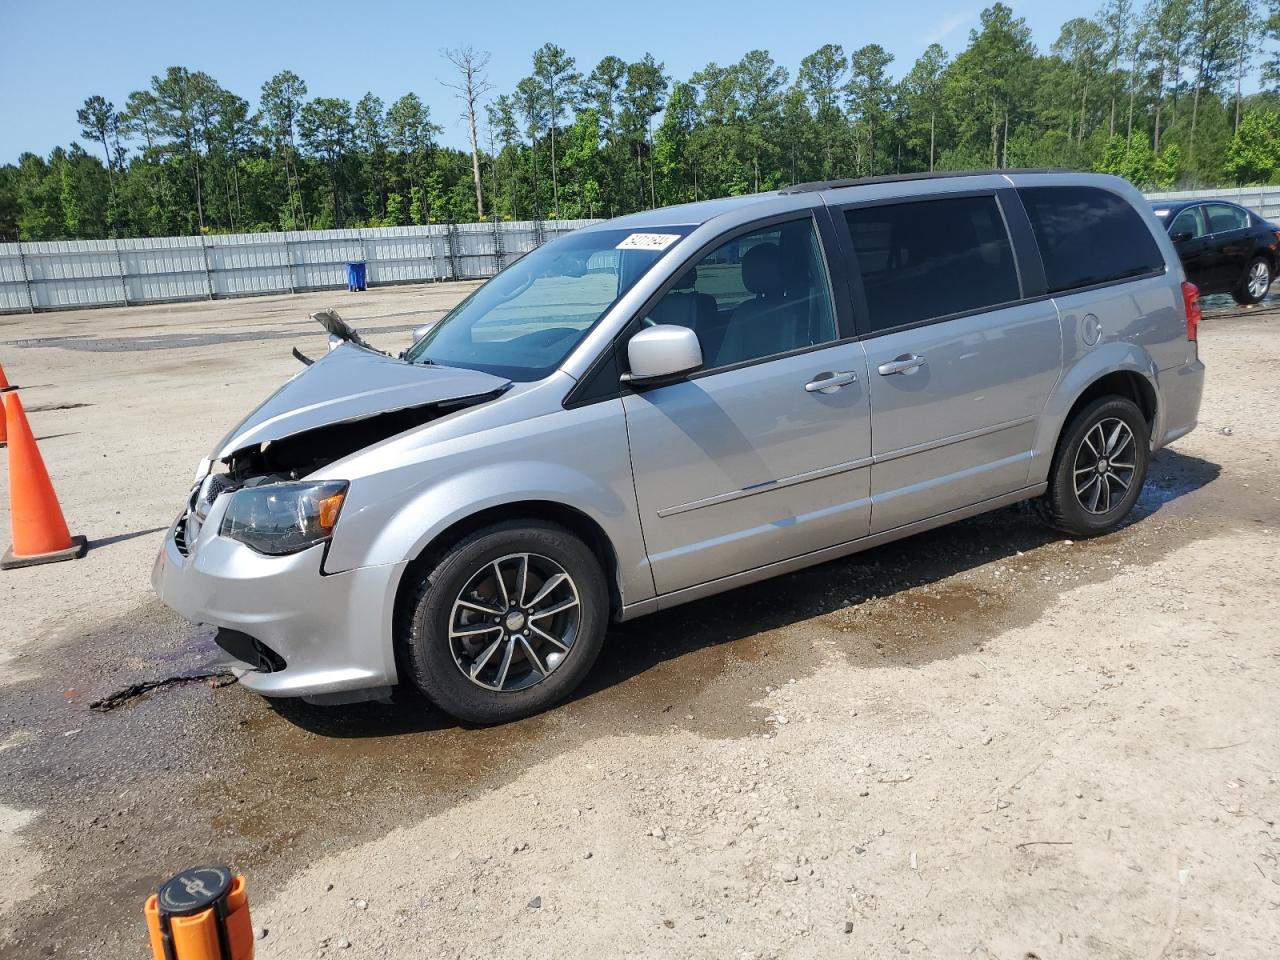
x: 762, y: 270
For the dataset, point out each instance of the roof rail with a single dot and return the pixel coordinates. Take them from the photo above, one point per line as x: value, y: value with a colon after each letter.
x: 816, y: 185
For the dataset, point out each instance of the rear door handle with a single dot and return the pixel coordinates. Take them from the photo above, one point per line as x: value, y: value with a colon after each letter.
x: 908, y: 363
x: 830, y: 382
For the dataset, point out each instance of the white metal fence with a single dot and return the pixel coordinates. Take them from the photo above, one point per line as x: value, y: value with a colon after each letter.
x: 65, y: 274
x: 1263, y: 200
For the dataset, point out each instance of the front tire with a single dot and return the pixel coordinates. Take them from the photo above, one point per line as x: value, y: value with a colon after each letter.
x: 1098, y: 468
x: 1255, y: 283
x: 507, y: 623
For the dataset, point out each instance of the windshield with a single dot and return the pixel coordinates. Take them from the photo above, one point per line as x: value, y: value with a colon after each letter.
x: 523, y: 323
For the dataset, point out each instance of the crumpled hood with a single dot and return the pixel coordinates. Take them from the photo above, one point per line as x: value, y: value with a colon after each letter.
x: 351, y: 383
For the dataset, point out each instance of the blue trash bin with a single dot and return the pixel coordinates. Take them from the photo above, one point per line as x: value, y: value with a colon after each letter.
x: 356, y: 276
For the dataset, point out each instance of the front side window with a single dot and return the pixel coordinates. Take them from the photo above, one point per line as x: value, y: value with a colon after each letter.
x: 523, y: 322
x: 924, y: 259
x: 1224, y: 218
x: 1189, y: 224
x: 758, y: 295
x: 1089, y: 236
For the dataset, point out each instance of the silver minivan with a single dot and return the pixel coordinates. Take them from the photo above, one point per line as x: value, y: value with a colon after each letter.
x: 675, y: 403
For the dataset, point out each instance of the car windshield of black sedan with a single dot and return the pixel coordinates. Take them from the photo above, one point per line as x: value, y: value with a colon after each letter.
x: 523, y: 323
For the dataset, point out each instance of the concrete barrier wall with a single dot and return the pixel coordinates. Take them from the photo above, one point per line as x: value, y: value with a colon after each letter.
x: 66, y: 274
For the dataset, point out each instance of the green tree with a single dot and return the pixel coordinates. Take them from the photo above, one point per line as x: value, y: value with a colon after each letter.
x: 643, y: 97
x: 324, y: 126
x: 1254, y: 154
x: 921, y: 92
x: 282, y: 98
x: 411, y: 134
x: 553, y: 70
x: 869, y: 92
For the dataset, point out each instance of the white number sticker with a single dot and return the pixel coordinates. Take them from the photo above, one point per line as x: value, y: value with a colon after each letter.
x: 648, y: 241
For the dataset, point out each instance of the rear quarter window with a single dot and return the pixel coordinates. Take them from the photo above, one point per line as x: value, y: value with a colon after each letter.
x: 1089, y: 236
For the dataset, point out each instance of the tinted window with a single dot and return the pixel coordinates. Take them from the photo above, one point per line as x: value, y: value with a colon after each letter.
x: 1089, y: 236
x: 932, y: 258
x: 1189, y: 221
x: 757, y: 295
x: 1224, y: 217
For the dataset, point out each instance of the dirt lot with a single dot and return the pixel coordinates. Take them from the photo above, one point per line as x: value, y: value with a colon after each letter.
x: 986, y: 741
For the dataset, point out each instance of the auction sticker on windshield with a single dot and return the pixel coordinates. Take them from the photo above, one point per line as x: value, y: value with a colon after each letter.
x: 648, y: 241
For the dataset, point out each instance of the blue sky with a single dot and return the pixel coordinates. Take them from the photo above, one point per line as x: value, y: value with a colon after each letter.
x: 54, y: 54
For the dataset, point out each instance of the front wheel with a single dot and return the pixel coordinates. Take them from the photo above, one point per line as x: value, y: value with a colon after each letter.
x: 508, y: 622
x: 1255, y: 283
x: 1098, y: 469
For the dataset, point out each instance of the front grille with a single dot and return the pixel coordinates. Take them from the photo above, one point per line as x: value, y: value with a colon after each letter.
x: 180, y: 535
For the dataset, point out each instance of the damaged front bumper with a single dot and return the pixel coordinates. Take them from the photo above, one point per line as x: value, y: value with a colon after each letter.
x: 332, y: 632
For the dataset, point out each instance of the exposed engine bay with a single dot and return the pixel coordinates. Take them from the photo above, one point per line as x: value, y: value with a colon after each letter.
x: 352, y: 398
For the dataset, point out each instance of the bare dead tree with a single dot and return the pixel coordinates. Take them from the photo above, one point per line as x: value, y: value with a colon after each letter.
x: 472, y: 85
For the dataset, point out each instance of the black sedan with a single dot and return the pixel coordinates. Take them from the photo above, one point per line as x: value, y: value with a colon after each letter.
x: 1224, y: 247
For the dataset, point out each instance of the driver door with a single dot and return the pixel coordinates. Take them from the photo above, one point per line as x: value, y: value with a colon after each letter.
x: 752, y: 460
x: 1190, y: 238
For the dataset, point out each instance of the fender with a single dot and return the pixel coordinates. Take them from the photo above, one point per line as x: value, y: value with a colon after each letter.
x: 577, y: 459
x: 1104, y: 359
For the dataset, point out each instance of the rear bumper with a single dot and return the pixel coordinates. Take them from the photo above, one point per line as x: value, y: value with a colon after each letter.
x: 1180, y: 392
x: 333, y: 632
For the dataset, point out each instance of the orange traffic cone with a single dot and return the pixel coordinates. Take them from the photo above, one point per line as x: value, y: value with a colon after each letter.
x: 39, y: 531
x: 4, y: 381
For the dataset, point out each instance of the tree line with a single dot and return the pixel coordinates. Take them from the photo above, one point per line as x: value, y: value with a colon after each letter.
x: 1154, y: 93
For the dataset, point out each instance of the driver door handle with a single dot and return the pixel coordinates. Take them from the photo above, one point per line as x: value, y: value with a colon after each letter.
x: 830, y: 382
x: 908, y: 363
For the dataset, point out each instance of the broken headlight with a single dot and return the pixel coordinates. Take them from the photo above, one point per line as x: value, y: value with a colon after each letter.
x: 280, y: 518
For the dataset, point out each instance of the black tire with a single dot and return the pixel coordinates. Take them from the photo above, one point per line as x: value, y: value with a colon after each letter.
x: 1061, y: 507
x: 1241, y: 293
x: 424, y: 634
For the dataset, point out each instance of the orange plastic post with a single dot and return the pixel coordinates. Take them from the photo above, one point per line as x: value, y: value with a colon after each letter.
x: 218, y: 928
x: 40, y: 532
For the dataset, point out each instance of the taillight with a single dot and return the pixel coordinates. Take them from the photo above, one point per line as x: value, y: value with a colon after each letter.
x: 1191, y: 302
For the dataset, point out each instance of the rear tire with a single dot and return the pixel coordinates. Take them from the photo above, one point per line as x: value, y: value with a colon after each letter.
x: 507, y: 623
x: 1098, y: 468
x: 1255, y: 283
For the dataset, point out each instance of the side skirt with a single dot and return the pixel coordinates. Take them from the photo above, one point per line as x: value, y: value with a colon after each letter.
x: 674, y: 599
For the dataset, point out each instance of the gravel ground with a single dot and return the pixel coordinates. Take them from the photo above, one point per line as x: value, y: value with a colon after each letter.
x: 984, y: 741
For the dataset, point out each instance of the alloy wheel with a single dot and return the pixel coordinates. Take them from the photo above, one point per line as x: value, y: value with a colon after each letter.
x: 1259, y: 280
x: 514, y: 622
x: 1104, y: 465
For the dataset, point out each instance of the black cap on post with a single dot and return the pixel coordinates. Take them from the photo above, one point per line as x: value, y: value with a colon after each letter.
x: 194, y: 890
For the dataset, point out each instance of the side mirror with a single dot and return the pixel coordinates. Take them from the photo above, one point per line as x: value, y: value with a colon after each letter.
x: 1181, y: 236
x: 663, y: 351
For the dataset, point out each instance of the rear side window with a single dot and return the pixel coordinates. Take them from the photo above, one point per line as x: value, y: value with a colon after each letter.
x: 932, y: 258
x: 1223, y: 218
x: 1089, y: 236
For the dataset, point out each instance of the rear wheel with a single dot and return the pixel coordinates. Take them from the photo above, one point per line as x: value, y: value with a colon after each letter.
x: 1098, y: 469
x: 508, y: 622
x: 1255, y: 283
